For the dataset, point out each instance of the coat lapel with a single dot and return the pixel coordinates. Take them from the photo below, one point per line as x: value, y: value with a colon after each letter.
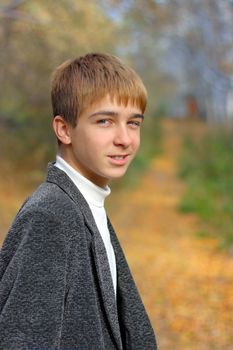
x: 105, y: 279
x: 58, y: 177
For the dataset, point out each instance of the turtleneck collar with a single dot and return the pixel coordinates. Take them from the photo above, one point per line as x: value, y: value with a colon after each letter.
x: 93, y: 194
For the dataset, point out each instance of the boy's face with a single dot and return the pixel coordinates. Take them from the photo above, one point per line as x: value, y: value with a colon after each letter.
x: 105, y: 140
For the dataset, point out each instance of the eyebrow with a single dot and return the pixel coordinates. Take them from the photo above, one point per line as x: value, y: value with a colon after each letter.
x: 115, y: 114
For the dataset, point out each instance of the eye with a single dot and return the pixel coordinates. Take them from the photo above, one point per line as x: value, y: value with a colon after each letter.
x: 104, y: 122
x: 135, y: 124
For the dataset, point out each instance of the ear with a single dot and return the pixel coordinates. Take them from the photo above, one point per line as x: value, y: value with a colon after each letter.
x: 61, y: 129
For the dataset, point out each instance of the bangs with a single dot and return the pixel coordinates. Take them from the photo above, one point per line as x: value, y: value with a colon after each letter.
x: 137, y: 101
x: 135, y: 97
x: 119, y: 88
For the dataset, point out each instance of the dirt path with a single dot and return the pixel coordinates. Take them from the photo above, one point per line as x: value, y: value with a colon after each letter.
x: 186, y: 283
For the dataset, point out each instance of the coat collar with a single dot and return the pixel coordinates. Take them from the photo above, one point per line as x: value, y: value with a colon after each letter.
x: 62, y: 180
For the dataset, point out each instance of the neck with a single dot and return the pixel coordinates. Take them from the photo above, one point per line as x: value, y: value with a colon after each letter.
x: 66, y: 153
x: 92, y: 193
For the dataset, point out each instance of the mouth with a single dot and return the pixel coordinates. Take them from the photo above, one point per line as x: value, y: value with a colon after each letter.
x: 119, y: 159
x: 119, y: 156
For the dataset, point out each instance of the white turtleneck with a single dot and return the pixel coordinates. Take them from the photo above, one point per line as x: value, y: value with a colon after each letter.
x: 95, y: 197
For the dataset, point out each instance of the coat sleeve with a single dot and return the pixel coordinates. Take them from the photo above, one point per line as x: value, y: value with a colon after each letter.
x: 32, y: 287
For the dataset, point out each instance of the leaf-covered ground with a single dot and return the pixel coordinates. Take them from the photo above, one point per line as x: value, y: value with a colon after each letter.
x: 186, y: 283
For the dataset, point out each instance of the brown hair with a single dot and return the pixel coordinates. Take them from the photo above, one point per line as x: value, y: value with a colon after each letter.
x: 78, y: 83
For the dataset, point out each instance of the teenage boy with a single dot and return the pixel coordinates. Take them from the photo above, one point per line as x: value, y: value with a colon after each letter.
x: 65, y: 283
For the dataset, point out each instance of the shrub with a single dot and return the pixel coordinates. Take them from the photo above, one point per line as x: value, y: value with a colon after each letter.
x: 207, y: 167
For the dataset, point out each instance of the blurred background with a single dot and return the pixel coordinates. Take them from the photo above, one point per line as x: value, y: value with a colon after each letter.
x: 174, y: 210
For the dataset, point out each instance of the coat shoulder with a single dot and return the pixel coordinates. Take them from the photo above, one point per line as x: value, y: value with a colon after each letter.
x: 50, y: 198
x: 48, y: 215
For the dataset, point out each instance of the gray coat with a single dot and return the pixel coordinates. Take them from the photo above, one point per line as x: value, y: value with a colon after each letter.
x: 56, y: 290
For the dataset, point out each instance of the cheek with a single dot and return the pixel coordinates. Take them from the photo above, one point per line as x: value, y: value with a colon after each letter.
x: 136, y: 141
x: 97, y: 143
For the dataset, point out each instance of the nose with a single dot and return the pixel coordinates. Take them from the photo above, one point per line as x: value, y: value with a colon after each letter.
x: 122, y: 137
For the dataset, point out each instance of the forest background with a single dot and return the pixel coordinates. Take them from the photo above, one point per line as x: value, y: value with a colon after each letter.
x: 182, y: 49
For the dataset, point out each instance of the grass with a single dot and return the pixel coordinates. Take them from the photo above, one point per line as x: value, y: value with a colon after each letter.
x: 207, y: 167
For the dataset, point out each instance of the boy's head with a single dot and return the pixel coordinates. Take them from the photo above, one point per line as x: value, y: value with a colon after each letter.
x: 78, y: 83
x: 98, y: 104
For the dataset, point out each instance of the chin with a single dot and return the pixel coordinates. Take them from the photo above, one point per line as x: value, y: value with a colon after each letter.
x: 117, y: 175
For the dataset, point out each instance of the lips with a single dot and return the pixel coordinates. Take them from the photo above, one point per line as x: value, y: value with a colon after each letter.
x: 119, y: 159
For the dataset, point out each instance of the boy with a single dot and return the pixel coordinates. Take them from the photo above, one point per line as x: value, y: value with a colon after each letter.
x: 65, y: 283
